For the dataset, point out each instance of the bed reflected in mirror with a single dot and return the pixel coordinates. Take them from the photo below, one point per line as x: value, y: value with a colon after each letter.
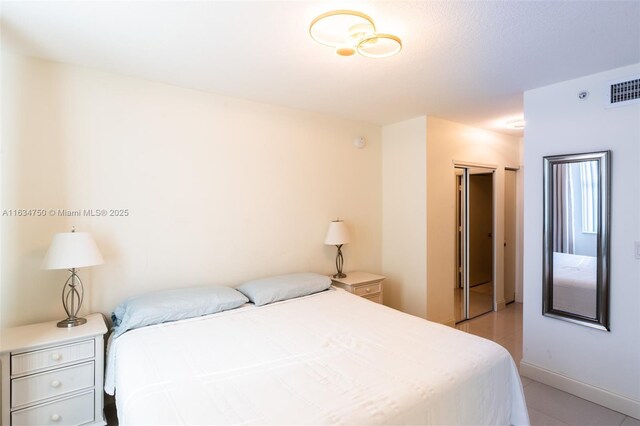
x: 576, y: 204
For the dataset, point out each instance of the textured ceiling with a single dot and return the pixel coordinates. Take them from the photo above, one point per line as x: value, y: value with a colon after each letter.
x: 464, y: 61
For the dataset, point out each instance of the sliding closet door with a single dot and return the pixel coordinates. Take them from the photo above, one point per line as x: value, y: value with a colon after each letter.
x: 460, y: 294
x: 474, y: 286
x: 480, y: 291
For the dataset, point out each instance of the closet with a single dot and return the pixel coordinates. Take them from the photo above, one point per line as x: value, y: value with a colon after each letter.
x: 475, y: 284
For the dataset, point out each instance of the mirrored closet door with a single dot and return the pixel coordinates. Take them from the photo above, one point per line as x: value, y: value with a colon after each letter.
x: 474, y: 288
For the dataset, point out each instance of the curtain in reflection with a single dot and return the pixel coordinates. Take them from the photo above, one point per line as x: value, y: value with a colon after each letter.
x: 589, y: 190
x: 563, y: 223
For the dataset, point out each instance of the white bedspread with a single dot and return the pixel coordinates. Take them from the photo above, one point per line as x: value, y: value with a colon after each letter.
x: 326, y: 358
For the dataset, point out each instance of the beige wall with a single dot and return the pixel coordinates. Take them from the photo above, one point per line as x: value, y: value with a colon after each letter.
x: 447, y: 143
x: 404, y: 234
x: 520, y: 223
x: 418, y: 254
x: 219, y: 190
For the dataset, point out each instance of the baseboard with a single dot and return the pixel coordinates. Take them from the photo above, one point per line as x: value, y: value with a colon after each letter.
x: 450, y: 323
x: 583, y: 390
x: 501, y: 304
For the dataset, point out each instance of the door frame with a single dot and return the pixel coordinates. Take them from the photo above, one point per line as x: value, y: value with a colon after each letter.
x: 517, y: 239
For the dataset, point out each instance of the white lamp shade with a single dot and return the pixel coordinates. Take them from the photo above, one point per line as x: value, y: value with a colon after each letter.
x: 337, y: 234
x: 72, y: 250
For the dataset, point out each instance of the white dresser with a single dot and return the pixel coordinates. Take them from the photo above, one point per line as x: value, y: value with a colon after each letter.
x: 53, y: 376
x: 362, y: 284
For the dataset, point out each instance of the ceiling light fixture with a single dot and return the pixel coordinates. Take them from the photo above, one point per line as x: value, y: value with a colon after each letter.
x: 349, y: 31
x: 517, y: 124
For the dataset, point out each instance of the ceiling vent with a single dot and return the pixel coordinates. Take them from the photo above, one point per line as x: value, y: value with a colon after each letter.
x: 623, y: 92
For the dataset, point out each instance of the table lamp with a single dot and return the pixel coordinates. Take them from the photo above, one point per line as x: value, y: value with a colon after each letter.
x: 337, y: 235
x: 72, y: 250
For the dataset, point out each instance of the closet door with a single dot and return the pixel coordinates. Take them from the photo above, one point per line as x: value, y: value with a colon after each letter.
x: 460, y: 293
x: 474, y: 285
x: 480, y: 291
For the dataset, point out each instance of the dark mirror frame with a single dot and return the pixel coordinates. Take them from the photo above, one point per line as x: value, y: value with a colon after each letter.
x: 601, y: 321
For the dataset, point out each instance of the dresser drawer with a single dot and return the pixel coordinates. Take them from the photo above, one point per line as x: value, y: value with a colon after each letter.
x: 29, y: 362
x: 365, y: 290
x: 37, y: 387
x: 76, y: 410
x: 375, y: 298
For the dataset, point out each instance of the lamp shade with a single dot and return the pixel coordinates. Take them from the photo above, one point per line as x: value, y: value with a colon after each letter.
x: 72, y: 250
x: 337, y: 234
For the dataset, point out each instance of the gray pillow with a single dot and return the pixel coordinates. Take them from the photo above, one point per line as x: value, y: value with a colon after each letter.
x: 283, y: 287
x: 173, y: 305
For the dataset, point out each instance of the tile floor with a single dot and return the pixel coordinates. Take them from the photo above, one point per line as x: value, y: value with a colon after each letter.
x: 547, y: 406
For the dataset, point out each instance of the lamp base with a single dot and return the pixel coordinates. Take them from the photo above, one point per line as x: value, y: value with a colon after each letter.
x: 339, y: 263
x: 71, y: 322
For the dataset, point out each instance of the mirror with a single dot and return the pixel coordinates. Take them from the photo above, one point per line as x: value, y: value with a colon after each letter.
x: 576, y: 238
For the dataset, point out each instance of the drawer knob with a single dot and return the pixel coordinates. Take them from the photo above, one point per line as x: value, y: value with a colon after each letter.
x: 55, y: 384
x: 55, y: 417
x: 368, y: 289
x: 56, y: 357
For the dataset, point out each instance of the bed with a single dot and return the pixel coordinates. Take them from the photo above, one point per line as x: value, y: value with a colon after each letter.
x: 574, y: 284
x: 327, y: 358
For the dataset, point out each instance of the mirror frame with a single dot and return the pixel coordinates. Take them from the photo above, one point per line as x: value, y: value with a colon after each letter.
x: 603, y: 255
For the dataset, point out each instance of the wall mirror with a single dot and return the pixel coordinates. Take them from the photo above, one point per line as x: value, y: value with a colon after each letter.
x: 576, y: 238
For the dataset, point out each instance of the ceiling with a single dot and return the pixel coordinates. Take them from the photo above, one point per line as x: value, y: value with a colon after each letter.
x: 464, y: 61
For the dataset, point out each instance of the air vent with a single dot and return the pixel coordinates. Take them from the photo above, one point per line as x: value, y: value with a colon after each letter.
x: 624, y: 92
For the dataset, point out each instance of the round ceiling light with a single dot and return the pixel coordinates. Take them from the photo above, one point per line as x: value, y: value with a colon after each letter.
x: 336, y: 28
x: 379, y: 46
x: 349, y: 31
x: 515, y: 124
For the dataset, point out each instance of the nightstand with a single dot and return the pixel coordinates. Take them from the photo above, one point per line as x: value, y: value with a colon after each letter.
x: 362, y: 284
x: 53, y: 376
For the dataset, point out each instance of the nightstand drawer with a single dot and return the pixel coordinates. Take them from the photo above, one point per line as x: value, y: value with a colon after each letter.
x: 76, y: 410
x: 366, y: 290
x: 375, y: 298
x: 60, y: 355
x: 31, y: 389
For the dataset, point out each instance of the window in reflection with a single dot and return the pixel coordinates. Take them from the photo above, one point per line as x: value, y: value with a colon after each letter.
x: 575, y: 243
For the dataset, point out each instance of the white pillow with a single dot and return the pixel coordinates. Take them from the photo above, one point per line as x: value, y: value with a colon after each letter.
x: 283, y: 287
x: 173, y: 305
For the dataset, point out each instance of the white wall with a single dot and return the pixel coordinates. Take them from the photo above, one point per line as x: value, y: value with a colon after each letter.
x: 448, y: 143
x: 404, y: 235
x: 597, y: 365
x: 219, y: 190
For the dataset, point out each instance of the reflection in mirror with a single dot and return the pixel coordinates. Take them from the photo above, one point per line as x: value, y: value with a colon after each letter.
x: 576, y: 238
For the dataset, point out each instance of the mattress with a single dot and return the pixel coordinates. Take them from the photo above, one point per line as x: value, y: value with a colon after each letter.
x: 328, y: 358
x: 574, y: 284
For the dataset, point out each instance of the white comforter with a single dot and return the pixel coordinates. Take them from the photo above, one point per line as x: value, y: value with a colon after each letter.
x: 326, y: 358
